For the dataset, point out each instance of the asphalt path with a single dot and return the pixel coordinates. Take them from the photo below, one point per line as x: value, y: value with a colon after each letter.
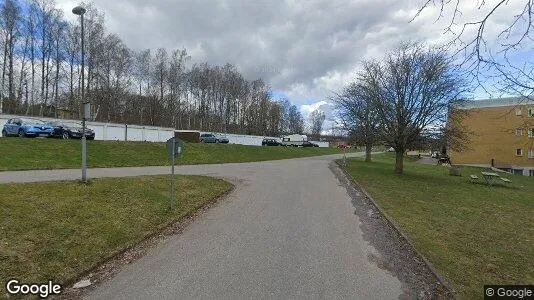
x: 288, y: 230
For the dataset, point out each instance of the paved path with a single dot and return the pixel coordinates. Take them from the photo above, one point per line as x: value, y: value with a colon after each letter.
x: 287, y: 231
x: 74, y: 174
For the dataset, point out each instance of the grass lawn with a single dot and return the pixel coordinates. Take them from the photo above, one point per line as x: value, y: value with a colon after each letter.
x: 473, y: 234
x: 28, y: 154
x: 56, y: 231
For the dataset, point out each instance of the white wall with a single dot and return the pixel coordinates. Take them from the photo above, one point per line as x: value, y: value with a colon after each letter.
x: 121, y: 132
x: 255, y: 140
x: 113, y: 132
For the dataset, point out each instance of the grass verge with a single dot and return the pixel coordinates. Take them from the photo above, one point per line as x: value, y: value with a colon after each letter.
x: 473, y: 234
x: 59, y: 230
x: 30, y: 154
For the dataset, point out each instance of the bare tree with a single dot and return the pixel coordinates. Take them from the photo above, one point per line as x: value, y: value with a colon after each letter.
x: 10, y: 13
x: 72, y: 49
x: 296, y: 121
x: 176, y: 79
x: 317, y: 118
x: 412, y: 90
x: 488, y: 55
x: 355, y: 109
x: 31, y: 32
x: 58, y: 36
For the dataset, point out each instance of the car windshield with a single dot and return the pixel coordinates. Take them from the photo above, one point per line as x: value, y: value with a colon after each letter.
x: 207, y: 135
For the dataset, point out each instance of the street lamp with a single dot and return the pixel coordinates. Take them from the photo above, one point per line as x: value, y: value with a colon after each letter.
x: 86, y: 111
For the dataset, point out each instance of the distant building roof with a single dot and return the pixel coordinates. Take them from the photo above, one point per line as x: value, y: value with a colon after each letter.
x: 497, y: 102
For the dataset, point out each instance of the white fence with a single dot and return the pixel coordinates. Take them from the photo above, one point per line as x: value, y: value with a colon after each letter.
x: 111, y: 131
x: 122, y: 132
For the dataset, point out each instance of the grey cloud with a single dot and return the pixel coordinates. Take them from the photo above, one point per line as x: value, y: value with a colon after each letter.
x: 283, y: 42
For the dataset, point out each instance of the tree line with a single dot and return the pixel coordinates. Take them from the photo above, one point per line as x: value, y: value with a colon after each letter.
x: 41, y: 76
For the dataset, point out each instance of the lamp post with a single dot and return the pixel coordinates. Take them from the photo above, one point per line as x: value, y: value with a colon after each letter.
x: 80, y: 11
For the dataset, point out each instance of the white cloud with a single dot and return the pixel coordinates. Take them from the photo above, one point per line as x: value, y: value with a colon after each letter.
x: 307, y: 109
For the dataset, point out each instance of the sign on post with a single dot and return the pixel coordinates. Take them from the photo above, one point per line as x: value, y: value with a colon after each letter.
x: 175, y: 148
x: 345, y: 156
x: 87, y: 110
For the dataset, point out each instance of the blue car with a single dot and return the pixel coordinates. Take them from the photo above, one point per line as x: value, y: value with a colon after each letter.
x: 26, y: 127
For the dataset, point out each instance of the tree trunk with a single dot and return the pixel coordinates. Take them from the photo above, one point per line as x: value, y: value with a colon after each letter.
x: 32, y: 55
x: 4, y: 66
x: 11, y: 87
x: 399, y: 162
x: 368, y: 150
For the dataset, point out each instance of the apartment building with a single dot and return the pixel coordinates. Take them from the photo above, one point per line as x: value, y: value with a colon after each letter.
x: 502, y: 134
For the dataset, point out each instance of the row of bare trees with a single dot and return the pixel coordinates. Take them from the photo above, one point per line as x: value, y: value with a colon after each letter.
x: 401, y: 99
x: 41, y: 76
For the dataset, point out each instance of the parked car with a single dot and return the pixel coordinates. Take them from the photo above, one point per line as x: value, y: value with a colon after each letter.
x: 208, y: 138
x: 294, y: 140
x: 65, y: 131
x: 26, y: 127
x: 222, y: 139
x: 309, y: 144
x: 270, y: 142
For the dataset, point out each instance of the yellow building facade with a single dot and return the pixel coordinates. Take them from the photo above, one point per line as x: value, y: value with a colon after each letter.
x: 501, y: 133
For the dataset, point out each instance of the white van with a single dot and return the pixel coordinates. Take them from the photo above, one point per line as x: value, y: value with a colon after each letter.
x: 294, y: 140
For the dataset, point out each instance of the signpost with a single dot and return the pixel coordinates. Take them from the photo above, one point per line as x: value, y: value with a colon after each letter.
x: 86, y: 116
x: 345, y: 156
x: 175, y: 147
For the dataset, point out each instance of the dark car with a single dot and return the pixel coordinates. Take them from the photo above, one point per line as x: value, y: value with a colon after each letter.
x: 222, y: 139
x: 73, y: 131
x: 208, y: 138
x: 26, y: 127
x: 309, y: 144
x: 270, y: 142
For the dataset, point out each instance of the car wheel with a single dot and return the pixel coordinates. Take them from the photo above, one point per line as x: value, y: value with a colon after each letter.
x: 65, y: 135
x: 21, y: 133
x: 4, y: 133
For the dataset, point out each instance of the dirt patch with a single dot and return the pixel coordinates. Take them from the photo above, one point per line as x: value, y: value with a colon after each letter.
x: 396, y: 254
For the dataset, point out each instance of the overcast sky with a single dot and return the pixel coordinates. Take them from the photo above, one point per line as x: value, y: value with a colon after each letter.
x: 303, y: 49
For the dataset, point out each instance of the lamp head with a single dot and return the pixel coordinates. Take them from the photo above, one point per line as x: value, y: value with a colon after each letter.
x: 78, y: 10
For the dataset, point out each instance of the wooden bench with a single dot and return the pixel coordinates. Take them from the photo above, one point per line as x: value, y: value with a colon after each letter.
x: 506, y: 180
x: 474, y: 178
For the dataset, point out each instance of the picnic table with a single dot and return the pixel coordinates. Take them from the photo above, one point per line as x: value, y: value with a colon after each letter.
x: 489, y: 176
x: 444, y: 160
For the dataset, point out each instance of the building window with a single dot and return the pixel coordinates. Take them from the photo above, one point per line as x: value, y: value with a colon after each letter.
x: 531, y: 132
x: 531, y: 112
x: 518, y: 132
x: 518, y: 171
x: 531, y: 172
x: 531, y: 153
x: 519, y: 152
x: 518, y: 111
